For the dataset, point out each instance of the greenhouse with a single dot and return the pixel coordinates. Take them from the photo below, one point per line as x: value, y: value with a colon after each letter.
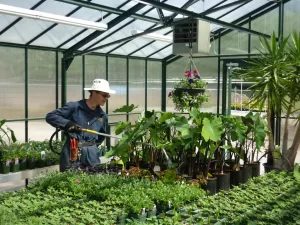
x: 149, y: 112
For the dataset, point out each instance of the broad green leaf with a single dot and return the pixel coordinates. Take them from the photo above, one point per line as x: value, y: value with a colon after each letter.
x: 12, y: 135
x: 212, y: 129
x: 121, y: 126
x: 2, y: 122
x: 186, y: 133
x: 126, y: 108
x: 166, y: 116
x: 259, y: 135
x: 297, y: 172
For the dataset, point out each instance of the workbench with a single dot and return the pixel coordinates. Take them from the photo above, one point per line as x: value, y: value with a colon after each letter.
x: 27, y: 174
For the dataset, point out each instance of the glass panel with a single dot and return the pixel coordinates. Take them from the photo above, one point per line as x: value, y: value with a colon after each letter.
x: 154, y: 78
x: 26, y: 29
x: 107, y: 34
x: 291, y: 17
x: 74, y: 80
x: 126, y: 32
x: 61, y: 32
x: 19, y: 129
x: 137, y: 84
x: 110, y: 3
x: 163, y: 53
x: 95, y: 67
x: 151, y: 48
x: 24, y: 4
x: 117, y: 79
x: 235, y: 42
x: 5, y: 20
x: 35, y: 128
x: 250, y: 6
x: 203, y: 6
x: 12, y: 85
x: 41, y: 83
x: 266, y: 24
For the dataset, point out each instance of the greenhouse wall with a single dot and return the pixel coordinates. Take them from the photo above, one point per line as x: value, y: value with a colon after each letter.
x: 31, y: 78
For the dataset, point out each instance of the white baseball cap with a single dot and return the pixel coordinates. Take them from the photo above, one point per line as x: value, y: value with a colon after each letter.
x: 100, y: 85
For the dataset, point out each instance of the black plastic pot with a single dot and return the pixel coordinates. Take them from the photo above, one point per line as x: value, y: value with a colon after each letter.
x: 247, y: 173
x: 151, y: 213
x: 211, y: 186
x: 121, y: 219
x: 223, y: 182
x: 236, y: 178
x: 31, y: 164
x: 23, y: 165
x: 140, y: 217
x: 255, y: 169
x: 268, y: 168
x: 14, y: 168
x: 4, y: 169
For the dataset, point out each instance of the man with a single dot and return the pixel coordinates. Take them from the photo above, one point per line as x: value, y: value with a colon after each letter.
x: 87, y: 114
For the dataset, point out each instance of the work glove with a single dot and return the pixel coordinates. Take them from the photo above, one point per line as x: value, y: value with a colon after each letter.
x: 72, y: 127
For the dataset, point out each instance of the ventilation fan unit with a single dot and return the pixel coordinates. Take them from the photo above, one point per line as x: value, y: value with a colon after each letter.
x: 195, y: 33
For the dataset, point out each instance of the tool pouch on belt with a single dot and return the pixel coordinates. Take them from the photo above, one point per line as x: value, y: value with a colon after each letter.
x: 73, y: 149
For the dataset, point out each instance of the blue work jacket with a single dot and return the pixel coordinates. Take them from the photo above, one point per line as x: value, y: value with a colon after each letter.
x: 82, y: 115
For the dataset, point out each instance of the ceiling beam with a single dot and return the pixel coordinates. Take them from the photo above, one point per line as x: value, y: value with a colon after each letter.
x: 120, y: 40
x: 168, y: 20
x: 20, y: 18
x: 200, y: 17
x: 69, y: 53
x: 131, y: 21
x: 104, y: 8
x: 85, y: 29
x: 226, y: 6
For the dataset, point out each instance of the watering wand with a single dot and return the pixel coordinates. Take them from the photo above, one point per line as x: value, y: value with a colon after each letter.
x: 108, y: 135
x: 99, y: 133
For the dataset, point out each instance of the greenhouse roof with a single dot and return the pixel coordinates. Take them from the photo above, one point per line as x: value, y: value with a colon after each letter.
x: 121, y: 18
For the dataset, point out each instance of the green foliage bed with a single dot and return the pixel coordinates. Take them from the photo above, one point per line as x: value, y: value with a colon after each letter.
x: 78, y: 198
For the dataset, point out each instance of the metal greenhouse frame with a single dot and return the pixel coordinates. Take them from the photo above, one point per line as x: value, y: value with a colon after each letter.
x: 98, y: 40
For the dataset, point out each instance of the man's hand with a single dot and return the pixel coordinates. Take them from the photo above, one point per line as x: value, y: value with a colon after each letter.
x: 72, y: 127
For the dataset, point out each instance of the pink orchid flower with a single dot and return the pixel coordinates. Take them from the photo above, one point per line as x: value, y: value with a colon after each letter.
x: 77, y: 181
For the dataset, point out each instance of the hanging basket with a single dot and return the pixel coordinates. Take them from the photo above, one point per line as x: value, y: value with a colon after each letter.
x: 190, y: 91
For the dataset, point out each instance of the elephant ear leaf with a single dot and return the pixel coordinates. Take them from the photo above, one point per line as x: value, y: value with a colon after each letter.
x: 259, y: 135
x: 126, y: 108
x: 12, y: 135
x: 212, y: 129
x: 2, y: 122
x: 121, y: 126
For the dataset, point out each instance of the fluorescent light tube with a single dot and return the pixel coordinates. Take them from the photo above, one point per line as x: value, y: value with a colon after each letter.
x: 32, y: 14
x: 154, y: 36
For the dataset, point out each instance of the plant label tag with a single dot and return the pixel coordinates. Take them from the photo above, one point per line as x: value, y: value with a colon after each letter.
x: 43, y: 155
x: 8, y: 162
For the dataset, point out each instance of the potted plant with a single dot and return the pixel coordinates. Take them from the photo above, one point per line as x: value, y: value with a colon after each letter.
x: 189, y: 92
x: 7, y: 136
x: 275, y: 74
x: 6, y: 158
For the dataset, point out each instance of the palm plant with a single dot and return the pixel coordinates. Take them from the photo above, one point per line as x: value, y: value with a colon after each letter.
x: 269, y: 72
x: 293, y: 96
